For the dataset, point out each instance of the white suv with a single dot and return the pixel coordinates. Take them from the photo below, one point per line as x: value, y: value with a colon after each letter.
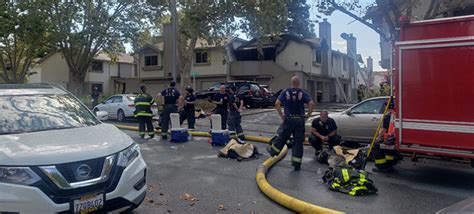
x: 57, y: 157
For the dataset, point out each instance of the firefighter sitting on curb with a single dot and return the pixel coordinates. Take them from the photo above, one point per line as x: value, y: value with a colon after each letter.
x: 172, y: 98
x: 293, y: 100
x: 188, y: 112
x: 236, y: 106
x: 143, y: 113
x: 323, y: 130
x: 385, y: 159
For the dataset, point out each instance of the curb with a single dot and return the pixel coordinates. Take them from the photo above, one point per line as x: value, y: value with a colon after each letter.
x: 275, y: 195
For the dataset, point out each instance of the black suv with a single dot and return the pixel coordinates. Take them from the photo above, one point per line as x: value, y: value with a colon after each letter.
x: 252, y: 93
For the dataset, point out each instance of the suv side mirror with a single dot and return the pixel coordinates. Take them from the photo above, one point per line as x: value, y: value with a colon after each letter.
x: 349, y: 112
x: 102, y: 115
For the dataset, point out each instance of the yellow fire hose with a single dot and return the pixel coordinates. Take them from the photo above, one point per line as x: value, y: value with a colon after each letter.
x: 283, y: 199
x: 376, y: 133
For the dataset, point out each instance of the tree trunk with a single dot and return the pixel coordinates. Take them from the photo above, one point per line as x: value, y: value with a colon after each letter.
x: 185, y: 60
x: 76, y: 83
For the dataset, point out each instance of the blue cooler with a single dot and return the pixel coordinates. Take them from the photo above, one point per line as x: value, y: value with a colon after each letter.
x: 219, y: 138
x: 179, y: 135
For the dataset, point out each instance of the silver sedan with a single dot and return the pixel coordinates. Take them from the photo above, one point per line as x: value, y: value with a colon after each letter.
x: 359, y: 122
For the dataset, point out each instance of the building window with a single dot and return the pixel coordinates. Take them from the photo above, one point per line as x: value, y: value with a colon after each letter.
x: 97, y: 66
x: 151, y: 60
x: 317, y: 56
x: 98, y: 86
x: 201, y: 57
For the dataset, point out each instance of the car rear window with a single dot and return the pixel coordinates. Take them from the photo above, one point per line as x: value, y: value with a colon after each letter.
x: 131, y: 98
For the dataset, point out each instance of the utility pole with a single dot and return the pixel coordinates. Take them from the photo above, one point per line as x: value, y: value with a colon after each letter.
x: 174, y: 19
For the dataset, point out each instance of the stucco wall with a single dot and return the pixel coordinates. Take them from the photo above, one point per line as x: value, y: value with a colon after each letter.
x: 215, y: 66
x: 296, y: 56
x: 55, y: 70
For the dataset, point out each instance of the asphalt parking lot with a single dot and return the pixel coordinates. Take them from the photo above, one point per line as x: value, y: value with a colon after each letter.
x: 190, y: 178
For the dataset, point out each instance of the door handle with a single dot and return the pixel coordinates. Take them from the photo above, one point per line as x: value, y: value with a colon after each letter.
x: 375, y: 119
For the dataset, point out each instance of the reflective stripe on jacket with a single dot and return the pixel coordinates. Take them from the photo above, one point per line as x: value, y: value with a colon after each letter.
x: 143, y: 103
x: 349, y: 181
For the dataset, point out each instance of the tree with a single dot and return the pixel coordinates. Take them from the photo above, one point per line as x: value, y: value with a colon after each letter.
x: 299, y: 19
x: 84, y: 28
x: 23, y: 38
x: 141, y: 38
x: 383, y: 15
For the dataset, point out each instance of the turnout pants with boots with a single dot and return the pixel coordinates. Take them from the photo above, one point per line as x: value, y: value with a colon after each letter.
x: 235, y: 127
x: 384, y: 159
x: 145, y: 124
x: 291, y: 126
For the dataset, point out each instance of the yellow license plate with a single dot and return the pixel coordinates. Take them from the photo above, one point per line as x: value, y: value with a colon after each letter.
x: 88, y: 203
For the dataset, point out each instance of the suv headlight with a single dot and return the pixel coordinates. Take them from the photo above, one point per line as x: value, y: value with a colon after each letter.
x: 18, y: 175
x: 128, y: 155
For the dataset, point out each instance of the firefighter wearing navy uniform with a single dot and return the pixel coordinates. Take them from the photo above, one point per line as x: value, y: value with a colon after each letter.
x: 143, y: 113
x: 385, y: 159
x: 189, y: 109
x: 235, y: 107
x: 221, y: 99
x: 171, y: 101
x: 294, y: 117
x: 323, y: 129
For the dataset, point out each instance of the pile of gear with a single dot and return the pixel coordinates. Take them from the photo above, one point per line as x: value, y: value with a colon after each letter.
x: 235, y: 150
x: 345, y: 172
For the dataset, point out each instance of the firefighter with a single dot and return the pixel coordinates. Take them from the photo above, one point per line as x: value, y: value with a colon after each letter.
x: 236, y: 106
x: 172, y: 98
x: 294, y: 117
x: 95, y: 97
x: 221, y: 99
x: 189, y: 109
x: 143, y: 113
x: 385, y: 159
x: 323, y: 129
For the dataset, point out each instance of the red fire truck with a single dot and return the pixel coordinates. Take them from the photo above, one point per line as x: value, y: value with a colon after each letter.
x: 434, y: 88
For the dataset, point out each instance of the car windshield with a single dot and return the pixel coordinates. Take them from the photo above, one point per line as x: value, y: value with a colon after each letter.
x: 32, y: 113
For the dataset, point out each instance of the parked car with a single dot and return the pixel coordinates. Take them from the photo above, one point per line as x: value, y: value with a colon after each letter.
x: 120, y: 106
x: 269, y: 95
x: 252, y: 93
x: 274, y: 97
x: 57, y: 157
x: 359, y: 122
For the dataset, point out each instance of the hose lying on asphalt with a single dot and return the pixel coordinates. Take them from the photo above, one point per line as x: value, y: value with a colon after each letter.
x: 281, y: 198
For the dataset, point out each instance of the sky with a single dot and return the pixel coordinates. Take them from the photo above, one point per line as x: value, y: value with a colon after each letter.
x: 367, y: 39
